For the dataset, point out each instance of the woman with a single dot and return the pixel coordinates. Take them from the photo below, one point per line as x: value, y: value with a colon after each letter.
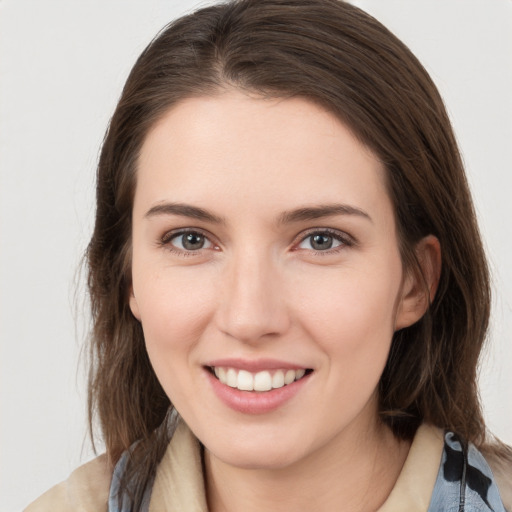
x: 288, y: 286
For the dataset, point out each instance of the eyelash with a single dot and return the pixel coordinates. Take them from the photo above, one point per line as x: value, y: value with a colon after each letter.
x: 340, y: 236
x: 166, y: 239
x: 344, y: 239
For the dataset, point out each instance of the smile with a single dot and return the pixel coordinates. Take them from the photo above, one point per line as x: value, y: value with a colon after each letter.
x: 253, y: 387
x: 261, y: 381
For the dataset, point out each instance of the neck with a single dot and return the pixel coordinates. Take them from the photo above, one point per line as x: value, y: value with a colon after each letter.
x: 354, y: 473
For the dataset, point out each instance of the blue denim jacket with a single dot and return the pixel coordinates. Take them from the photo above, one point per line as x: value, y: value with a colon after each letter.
x: 464, y: 482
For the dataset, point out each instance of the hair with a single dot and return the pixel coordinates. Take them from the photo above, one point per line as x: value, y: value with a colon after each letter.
x: 337, y: 56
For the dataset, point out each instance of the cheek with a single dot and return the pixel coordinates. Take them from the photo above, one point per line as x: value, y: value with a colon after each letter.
x: 351, y: 314
x: 175, y: 308
x: 352, y: 324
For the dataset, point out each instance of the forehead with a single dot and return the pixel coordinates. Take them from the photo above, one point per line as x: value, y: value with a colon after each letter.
x: 266, y: 151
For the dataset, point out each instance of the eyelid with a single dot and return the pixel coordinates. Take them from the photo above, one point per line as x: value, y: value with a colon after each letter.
x: 342, y: 236
x: 168, y: 236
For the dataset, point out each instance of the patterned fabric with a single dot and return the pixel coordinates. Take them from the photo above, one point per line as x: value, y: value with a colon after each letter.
x: 121, y: 502
x: 464, y: 482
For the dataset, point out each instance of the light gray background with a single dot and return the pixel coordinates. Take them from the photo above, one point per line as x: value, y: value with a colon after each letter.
x: 62, y: 66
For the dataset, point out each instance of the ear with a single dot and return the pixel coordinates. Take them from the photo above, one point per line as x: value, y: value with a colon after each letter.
x: 419, y: 288
x: 134, y: 306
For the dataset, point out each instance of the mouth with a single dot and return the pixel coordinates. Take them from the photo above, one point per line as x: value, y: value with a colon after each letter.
x: 260, y: 381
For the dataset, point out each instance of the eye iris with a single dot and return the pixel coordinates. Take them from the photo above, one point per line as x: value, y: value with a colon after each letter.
x: 192, y: 241
x: 321, y: 242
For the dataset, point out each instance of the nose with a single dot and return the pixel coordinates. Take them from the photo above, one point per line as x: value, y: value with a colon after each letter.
x: 252, y: 303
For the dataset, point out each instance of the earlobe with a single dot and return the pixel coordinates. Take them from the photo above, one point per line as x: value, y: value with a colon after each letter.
x: 134, y: 305
x: 419, y: 288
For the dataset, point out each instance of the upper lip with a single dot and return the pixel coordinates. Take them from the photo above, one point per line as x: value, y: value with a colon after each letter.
x: 255, y: 365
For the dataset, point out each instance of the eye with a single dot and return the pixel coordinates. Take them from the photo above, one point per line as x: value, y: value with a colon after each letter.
x: 187, y: 241
x: 324, y: 241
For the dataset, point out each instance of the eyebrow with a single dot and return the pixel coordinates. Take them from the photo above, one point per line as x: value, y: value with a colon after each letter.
x: 320, y: 211
x: 184, y: 210
x: 287, y: 217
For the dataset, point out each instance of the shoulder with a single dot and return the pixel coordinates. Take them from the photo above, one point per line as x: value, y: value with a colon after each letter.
x: 86, y: 489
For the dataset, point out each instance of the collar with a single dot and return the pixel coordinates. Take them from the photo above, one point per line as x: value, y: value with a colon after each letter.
x: 179, y: 482
x: 413, y: 489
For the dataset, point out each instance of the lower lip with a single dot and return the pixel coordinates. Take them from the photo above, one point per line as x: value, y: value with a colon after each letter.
x: 255, y: 402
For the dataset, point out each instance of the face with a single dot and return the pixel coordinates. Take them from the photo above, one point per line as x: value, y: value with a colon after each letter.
x: 265, y: 256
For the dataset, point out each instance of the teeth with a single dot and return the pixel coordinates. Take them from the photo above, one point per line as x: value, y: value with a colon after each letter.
x: 299, y: 374
x: 245, y: 381
x: 278, y: 379
x: 261, y: 381
x: 221, y: 374
x: 231, y: 378
x: 289, y: 377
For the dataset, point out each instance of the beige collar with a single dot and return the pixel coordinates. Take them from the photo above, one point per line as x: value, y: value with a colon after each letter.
x: 179, y: 484
x: 415, y: 484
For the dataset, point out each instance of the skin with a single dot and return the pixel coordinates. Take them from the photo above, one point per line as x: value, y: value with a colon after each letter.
x: 259, y: 289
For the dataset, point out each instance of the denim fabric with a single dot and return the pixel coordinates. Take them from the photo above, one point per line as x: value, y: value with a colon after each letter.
x: 465, y: 482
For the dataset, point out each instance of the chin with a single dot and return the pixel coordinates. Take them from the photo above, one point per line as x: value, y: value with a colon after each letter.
x: 248, y: 454
x: 258, y: 460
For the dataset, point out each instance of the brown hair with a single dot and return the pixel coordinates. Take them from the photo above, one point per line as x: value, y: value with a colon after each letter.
x: 341, y: 58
